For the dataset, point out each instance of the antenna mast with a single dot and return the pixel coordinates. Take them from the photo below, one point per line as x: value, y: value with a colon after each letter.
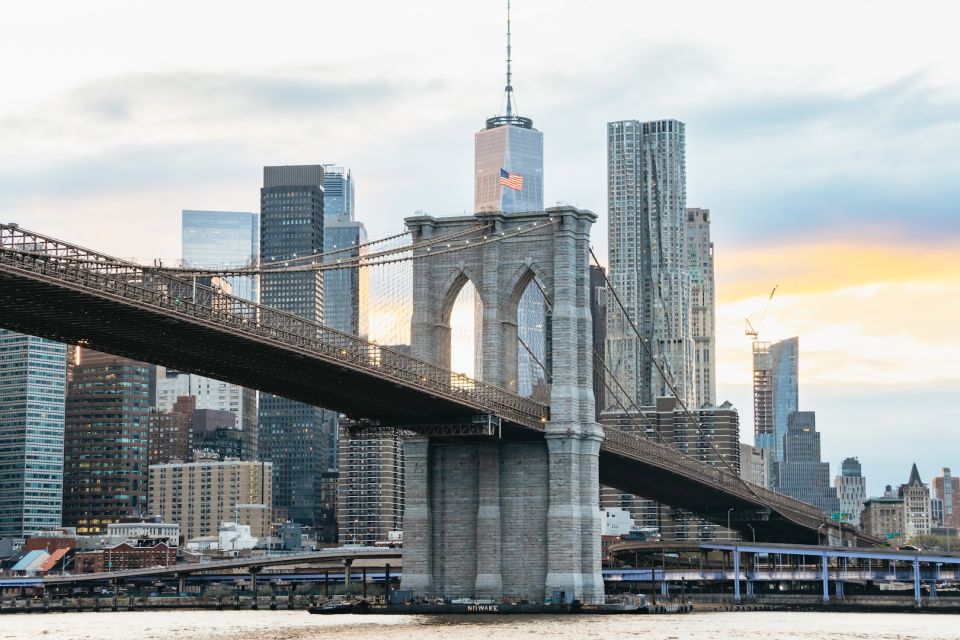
x: 509, y: 87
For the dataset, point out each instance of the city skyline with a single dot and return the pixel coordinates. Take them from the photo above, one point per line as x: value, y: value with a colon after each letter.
x: 853, y: 225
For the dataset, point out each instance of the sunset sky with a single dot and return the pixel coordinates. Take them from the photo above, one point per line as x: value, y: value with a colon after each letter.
x: 824, y: 137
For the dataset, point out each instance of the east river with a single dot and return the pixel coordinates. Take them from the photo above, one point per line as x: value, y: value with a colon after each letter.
x: 300, y: 625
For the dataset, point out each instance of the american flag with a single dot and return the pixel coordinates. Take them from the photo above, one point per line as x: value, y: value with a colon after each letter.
x: 512, y: 180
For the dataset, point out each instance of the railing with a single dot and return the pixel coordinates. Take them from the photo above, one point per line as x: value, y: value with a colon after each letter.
x: 638, y: 448
x: 52, y: 259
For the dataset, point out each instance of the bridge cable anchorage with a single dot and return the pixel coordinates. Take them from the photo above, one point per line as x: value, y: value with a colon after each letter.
x: 747, y: 485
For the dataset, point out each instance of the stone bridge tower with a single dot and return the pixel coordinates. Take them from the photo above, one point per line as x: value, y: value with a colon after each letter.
x: 488, y: 519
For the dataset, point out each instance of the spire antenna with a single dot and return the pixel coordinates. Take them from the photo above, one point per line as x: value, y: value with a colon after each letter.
x: 509, y: 87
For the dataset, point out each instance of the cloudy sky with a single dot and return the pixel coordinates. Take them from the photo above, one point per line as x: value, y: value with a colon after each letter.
x: 824, y: 136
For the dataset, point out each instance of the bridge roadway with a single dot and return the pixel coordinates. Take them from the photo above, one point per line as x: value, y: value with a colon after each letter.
x: 63, y: 292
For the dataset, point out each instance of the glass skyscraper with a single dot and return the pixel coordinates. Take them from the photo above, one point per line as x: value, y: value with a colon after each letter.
x: 222, y: 239
x: 775, y: 392
x: 298, y: 438
x: 32, y: 393
x: 509, y: 143
x: 219, y: 240
x: 345, y: 291
x: 338, y: 193
x: 649, y: 259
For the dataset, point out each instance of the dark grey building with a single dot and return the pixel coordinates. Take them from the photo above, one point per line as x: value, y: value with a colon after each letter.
x: 598, y: 315
x: 801, y: 474
x: 298, y: 438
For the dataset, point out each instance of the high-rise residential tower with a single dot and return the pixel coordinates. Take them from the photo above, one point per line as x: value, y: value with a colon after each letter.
x: 703, y: 306
x: 298, y: 438
x: 649, y: 258
x: 851, y: 489
x: 338, y: 194
x: 106, y: 444
x: 775, y: 392
x: 32, y: 386
x: 946, y: 487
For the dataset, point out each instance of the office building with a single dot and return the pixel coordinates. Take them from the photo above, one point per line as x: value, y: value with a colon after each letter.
x: 345, y: 291
x: 801, y: 474
x: 851, y: 488
x: 32, y: 387
x: 775, y: 392
x: 106, y: 442
x: 946, y: 487
x: 201, y: 495
x: 716, y: 442
x: 219, y: 240
x: 215, y: 434
x: 703, y: 307
x: 170, y: 434
x: 338, y: 194
x: 755, y: 465
x: 508, y: 177
x: 213, y: 395
x: 916, y: 505
x: 649, y: 260
x: 883, y: 517
x: 298, y: 438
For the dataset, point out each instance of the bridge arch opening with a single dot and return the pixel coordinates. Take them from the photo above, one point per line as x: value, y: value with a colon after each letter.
x: 528, y: 337
x: 459, y: 331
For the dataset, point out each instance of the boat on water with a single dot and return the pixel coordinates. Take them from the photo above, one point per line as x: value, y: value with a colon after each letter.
x: 467, y: 606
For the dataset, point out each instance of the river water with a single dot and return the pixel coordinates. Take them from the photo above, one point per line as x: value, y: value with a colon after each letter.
x: 300, y: 625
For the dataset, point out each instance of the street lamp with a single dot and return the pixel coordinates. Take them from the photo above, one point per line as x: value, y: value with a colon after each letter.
x: 753, y: 531
x: 818, y: 533
x: 729, y: 530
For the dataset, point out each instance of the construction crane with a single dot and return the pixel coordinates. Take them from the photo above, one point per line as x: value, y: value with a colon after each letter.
x: 750, y: 331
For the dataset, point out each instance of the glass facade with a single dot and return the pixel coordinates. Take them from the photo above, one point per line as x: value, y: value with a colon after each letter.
x: 32, y: 391
x: 338, y: 194
x: 222, y: 239
x: 649, y: 259
x: 512, y: 144
x: 298, y: 438
x: 216, y: 240
x: 514, y: 149
x: 775, y: 392
x: 345, y: 291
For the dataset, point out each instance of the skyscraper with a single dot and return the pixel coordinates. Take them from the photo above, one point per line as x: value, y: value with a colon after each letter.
x: 32, y: 387
x: 775, y: 392
x: 851, y: 489
x: 298, y: 438
x: 509, y: 146
x: 649, y: 258
x: 801, y: 474
x: 508, y: 143
x: 219, y: 240
x: 345, y: 291
x: 338, y: 194
x: 703, y: 306
x: 106, y: 443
